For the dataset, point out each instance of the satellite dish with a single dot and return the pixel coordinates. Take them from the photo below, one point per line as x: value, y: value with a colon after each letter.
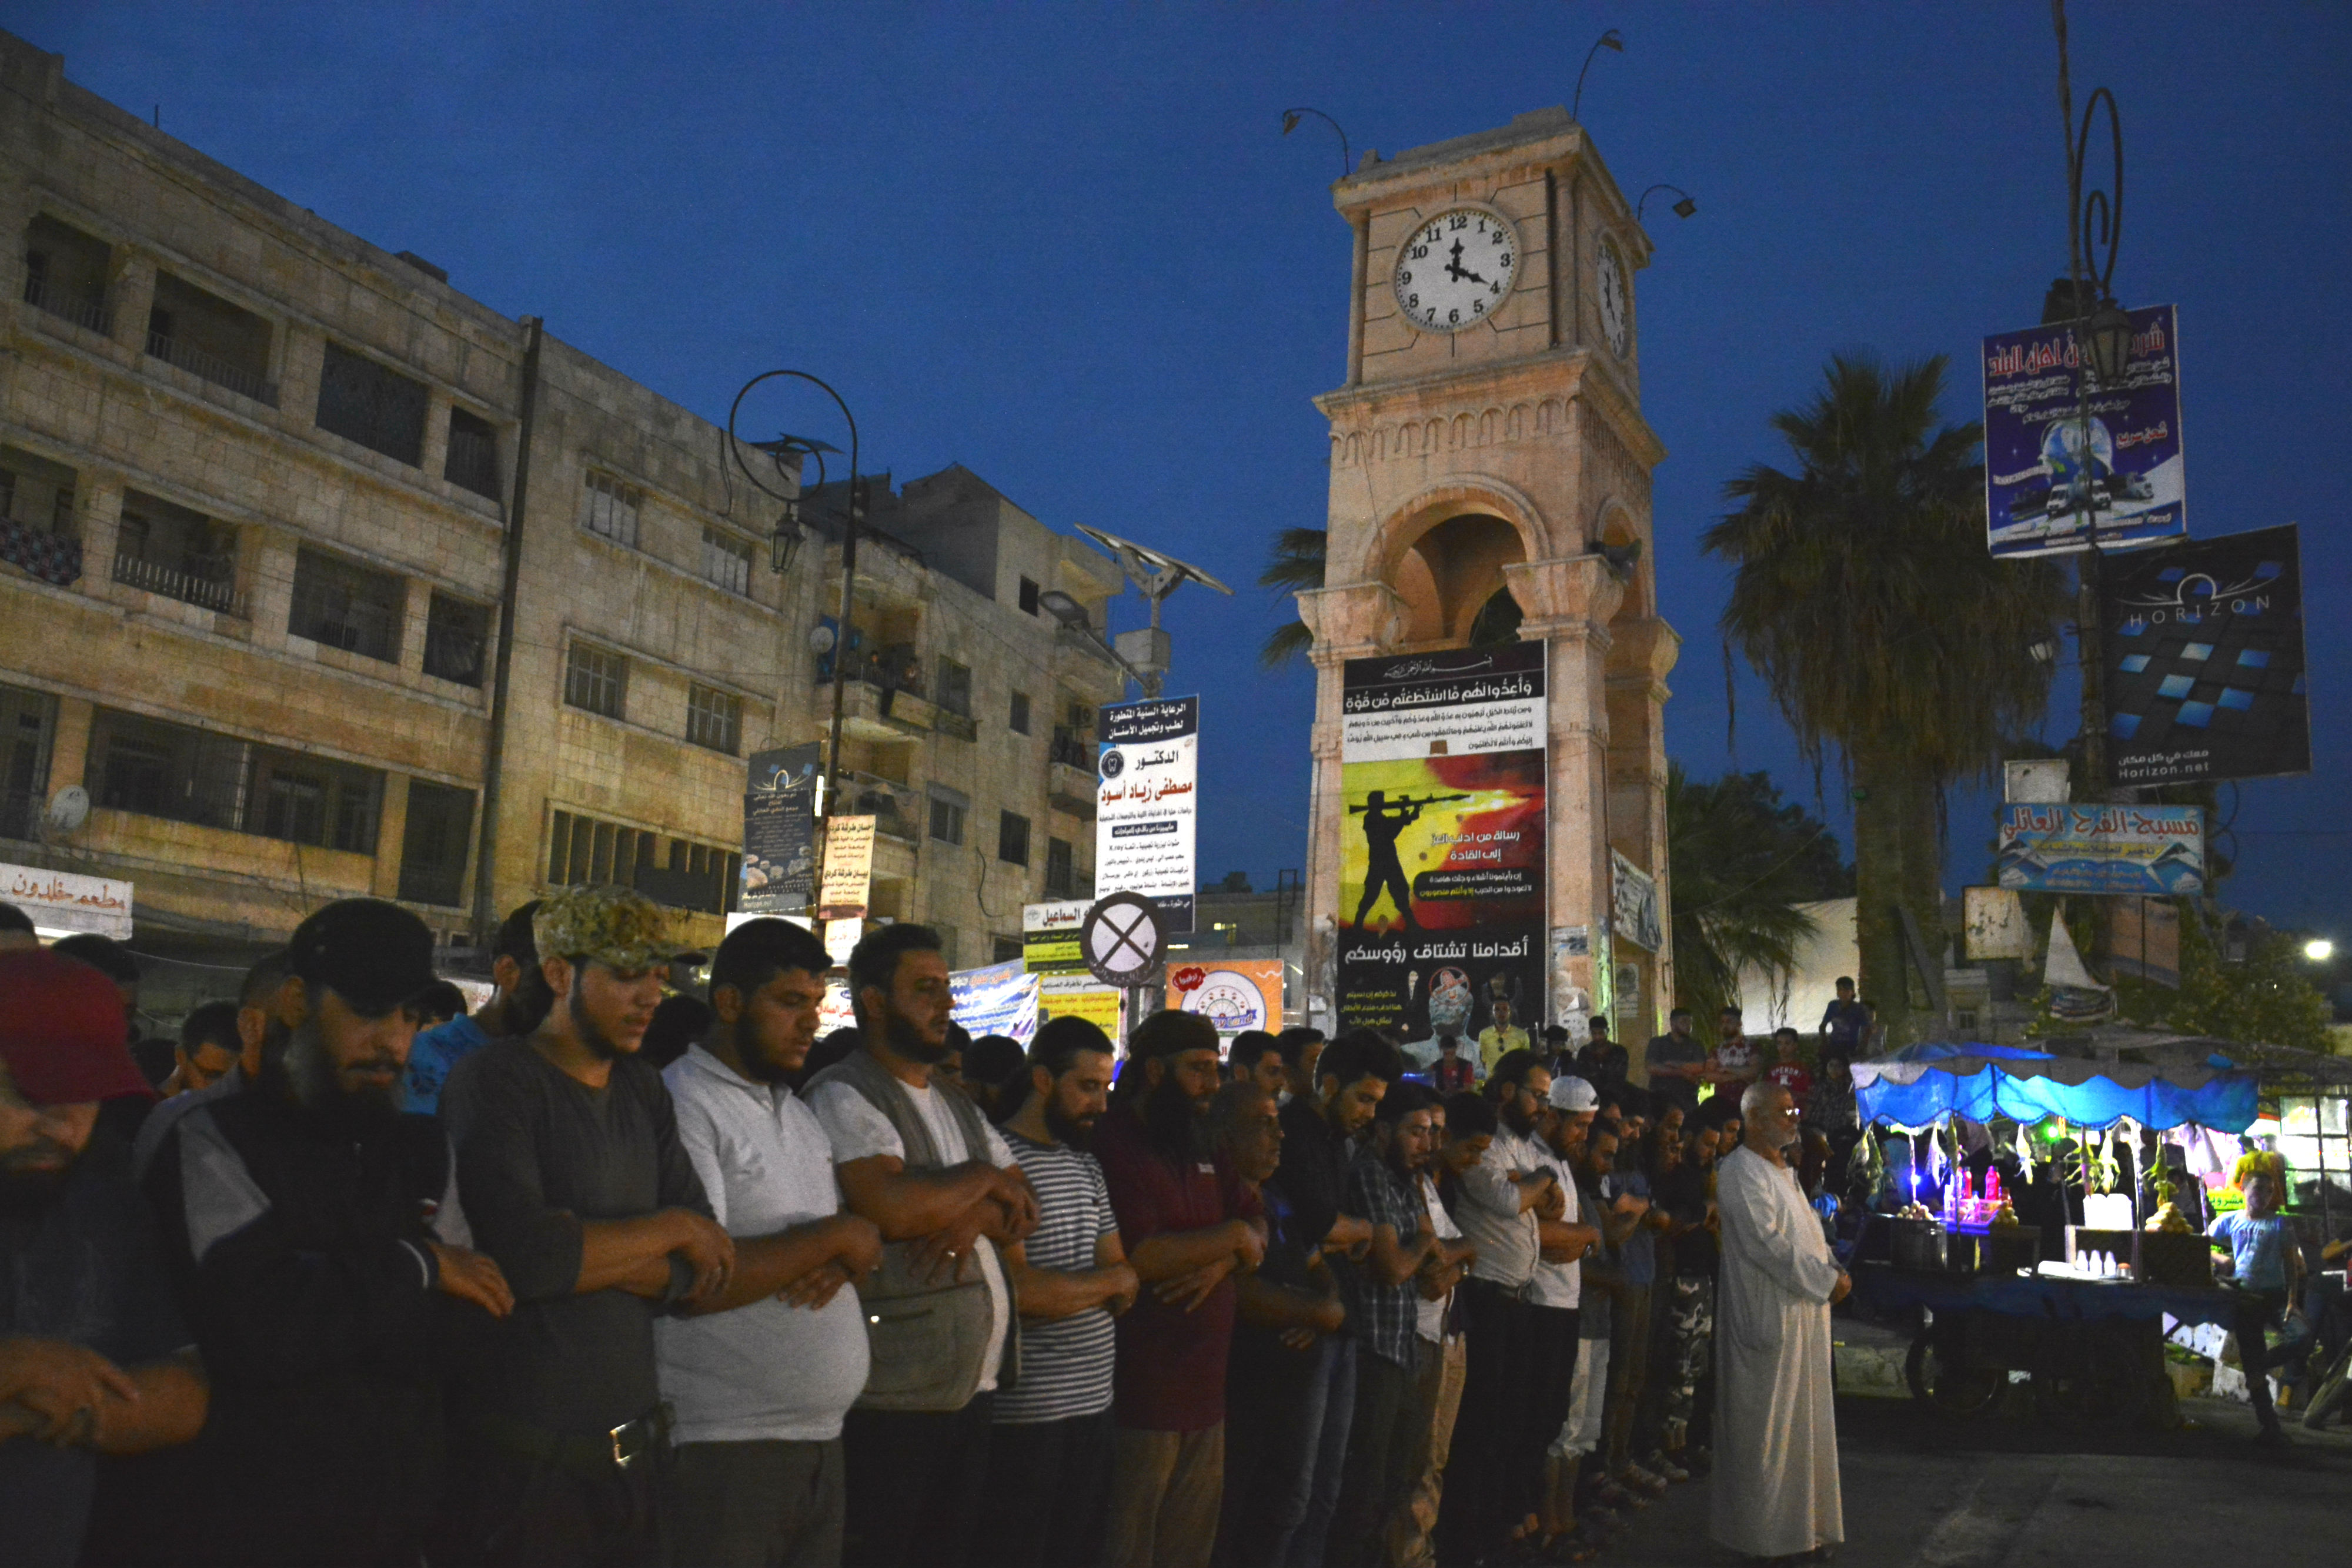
x: 68, y: 810
x: 820, y: 640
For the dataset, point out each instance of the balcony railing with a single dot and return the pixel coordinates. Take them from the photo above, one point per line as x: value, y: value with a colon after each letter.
x: 212, y: 368
x: 896, y: 808
x: 473, y: 462
x: 81, y: 309
x: 1070, y: 751
x: 209, y: 587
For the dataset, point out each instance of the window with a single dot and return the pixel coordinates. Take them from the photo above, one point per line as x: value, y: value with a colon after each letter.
x: 36, y: 492
x: 473, y: 460
x: 187, y: 774
x: 28, y: 720
x: 310, y: 801
x: 342, y: 604
x: 609, y: 508
x: 373, y: 404
x: 955, y: 689
x: 1019, y: 721
x: 456, y: 632
x: 1061, y: 870
x: 66, y: 271
x: 948, y: 808
x: 180, y: 554
x: 596, y: 680
x: 584, y: 852
x: 1028, y: 597
x: 434, y: 844
x: 1012, y: 838
x: 727, y: 561
x: 206, y: 336
x: 714, y: 719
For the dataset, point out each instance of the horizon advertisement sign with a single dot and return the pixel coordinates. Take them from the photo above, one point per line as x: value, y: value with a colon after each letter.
x: 2048, y: 478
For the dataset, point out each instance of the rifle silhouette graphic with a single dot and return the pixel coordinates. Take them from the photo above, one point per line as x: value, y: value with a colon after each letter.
x: 1405, y: 800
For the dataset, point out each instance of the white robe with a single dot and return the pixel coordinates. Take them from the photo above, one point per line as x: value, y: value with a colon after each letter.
x: 1776, y: 1460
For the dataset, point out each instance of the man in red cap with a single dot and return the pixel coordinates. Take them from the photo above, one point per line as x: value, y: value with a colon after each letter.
x: 93, y: 1356
x: 326, y: 1266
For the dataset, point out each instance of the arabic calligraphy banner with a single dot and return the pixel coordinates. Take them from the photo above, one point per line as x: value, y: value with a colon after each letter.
x: 1049, y: 937
x: 2041, y: 486
x: 1145, y: 811
x: 848, y: 876
x: 63, y: 902
x: 1442, y: 863
x: 2204, y: 656
x: 2156, y: 850
x: 997, y: 999
x: 780, y: 830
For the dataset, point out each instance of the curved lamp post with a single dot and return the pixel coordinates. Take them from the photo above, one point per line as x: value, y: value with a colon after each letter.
x: 1613, y: 41
x: 1683, y: 208
x: 1347, y: 157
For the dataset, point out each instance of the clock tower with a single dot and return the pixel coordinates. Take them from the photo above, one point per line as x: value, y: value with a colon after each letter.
x: 1489, y: 463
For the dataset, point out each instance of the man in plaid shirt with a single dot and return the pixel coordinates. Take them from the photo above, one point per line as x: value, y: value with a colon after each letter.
x: 1383, y: 1187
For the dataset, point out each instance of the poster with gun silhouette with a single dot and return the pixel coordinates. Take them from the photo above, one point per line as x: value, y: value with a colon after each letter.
x: 1442, y: 883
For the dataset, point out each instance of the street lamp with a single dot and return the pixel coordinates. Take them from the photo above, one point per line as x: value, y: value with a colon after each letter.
x: 1614, y: 42
x: 1144, y: 652
x: 1347, y: 157
x: 2319, y: 949
x: 1073, y: 615
x: 1683, y: 208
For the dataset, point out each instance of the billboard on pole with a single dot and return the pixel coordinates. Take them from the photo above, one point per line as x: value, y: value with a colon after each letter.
x: 1441, y: 867
x: 2204, y: 655
x: 780, y: 830
x: 2047, y: 475
x: 1145, y: 812
x: 2156, y: 850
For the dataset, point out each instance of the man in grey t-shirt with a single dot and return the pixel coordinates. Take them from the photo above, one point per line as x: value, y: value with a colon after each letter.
x: 1676, y: 1062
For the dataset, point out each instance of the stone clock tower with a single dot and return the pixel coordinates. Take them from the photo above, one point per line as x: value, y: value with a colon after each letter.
x: 1490, y: 440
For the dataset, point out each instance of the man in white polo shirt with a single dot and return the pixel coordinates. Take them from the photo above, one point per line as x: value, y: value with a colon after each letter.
x: 760, y: 1378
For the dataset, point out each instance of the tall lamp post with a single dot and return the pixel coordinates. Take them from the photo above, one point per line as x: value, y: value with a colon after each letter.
x: 790, y: 533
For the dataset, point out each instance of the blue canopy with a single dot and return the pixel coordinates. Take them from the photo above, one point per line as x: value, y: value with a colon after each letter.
x: 1922, y: 1084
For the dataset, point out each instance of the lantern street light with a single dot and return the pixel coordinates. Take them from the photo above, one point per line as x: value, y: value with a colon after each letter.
x: 1614, y: 42
x: 1683, y: 209
x: 1347, y: 157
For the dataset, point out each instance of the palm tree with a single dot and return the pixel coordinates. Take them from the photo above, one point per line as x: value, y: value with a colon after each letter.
x: 1739, y: 862
x: 1865, y: 597
x: 1296, y: 565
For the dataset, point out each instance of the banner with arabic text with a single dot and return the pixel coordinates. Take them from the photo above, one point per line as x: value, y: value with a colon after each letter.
x: 1145, y: 812
x: 1000, y: 998
x: 2155, y: 850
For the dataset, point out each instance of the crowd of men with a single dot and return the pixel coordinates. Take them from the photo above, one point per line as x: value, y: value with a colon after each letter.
x: 506, y: 1292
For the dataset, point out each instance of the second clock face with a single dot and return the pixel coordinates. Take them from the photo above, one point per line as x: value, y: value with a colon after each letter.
x: 1455, y: 270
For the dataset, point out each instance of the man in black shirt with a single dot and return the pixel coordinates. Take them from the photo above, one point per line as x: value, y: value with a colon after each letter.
x: 571, y: 1171
x: 327, y: 1267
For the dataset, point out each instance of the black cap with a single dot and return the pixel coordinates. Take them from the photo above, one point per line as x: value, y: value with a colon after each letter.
x: 374, y: 955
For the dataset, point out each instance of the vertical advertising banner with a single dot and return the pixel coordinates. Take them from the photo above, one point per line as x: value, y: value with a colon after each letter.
x: 1442, y: 870
x: 1145, y: 811
x: 2204, y: 652
x: 848, y: 873
x: 780, y: 830
x: 1049, y: 937
x: 2048, y: 474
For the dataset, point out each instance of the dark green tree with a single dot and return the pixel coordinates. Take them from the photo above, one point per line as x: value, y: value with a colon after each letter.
x: 1864, y: 596
x: 1295, y: 566
x: 1741, y: 861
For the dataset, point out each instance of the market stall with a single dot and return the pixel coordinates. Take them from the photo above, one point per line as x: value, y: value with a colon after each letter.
x: 2086, y: 1327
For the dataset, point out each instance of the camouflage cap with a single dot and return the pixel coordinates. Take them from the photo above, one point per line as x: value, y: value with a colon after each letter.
x: 616, y: 926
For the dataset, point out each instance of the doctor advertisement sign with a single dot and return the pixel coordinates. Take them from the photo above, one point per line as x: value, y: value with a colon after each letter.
x: 2048, y: 472
x: 1144, y: 813
x: 1442, y: 844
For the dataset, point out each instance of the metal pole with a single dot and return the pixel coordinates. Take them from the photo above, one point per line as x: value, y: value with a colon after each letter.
x: 485, y: 858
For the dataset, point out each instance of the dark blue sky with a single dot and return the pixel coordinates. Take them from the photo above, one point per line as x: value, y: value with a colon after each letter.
x: 1068, y: 246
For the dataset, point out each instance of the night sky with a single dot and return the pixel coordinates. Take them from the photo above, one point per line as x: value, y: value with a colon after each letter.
x: 1068, y: 246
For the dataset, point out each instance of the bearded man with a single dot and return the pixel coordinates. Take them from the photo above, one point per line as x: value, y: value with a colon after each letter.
x: 326, y: 1265
x: 915, y: 1155
x: 574, y: 1176
x: 1049, y: 1456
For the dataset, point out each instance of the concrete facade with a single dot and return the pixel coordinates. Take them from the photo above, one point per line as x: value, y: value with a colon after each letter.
x: 262, y: 482
x: 1508, y: 455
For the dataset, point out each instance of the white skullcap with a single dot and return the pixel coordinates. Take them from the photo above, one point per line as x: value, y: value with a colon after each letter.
x: 1574, y: 1094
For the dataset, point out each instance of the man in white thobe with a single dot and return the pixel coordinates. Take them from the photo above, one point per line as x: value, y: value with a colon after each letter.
x: 1776, y: 1460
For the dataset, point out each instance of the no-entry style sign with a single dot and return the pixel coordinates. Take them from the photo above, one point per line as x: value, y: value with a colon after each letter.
x: 1122, y: 939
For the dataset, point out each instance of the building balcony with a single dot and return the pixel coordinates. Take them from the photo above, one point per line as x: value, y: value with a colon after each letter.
x: 874, y: 712
x: 897, y: 809
x: 212, y: 368
x: 207, y: 586
x: 81, y: 309
x: 1070, y: 790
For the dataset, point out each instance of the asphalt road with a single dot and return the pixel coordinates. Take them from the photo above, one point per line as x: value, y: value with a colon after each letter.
x: 1924, y: 1492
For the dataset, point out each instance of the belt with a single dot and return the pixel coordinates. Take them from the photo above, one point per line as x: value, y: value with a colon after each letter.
x: 619, y: 1448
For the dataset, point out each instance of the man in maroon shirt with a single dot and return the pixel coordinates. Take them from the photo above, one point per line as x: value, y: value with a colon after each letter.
x: 1187, y: 1232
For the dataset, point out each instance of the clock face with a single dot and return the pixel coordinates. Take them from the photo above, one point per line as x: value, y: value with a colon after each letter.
x: 1455, y: 270
x: 1616, y: 304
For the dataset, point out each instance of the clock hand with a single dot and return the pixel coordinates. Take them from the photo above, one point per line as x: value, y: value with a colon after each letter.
x: 1459, y: 273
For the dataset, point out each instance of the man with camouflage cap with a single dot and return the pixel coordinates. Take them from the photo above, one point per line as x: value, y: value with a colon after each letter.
x: 571, y: 1169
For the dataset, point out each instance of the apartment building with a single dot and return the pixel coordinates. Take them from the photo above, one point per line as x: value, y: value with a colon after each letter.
x: 321, y: 578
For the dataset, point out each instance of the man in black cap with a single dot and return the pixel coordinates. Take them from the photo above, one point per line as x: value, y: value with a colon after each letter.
x: 326, y: 1266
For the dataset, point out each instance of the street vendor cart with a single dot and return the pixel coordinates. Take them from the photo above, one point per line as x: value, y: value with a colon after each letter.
x: 2087, y: 1329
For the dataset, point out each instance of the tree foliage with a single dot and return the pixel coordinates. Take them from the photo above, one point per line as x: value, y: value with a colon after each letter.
x: 1741, y: 861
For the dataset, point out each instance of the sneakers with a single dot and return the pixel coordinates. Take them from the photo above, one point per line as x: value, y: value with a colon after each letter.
x: 1665, y: 1468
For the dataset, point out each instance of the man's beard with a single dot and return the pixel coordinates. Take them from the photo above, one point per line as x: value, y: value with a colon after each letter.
x: 26, y: 1193
x: 1173, y: 1120
x: 904, y: 1038
x: 309, y: 1073
x: 756, y: 1067
x: 591, y: 1034
x: 1069, y: 1130
x: 1523, y: 1123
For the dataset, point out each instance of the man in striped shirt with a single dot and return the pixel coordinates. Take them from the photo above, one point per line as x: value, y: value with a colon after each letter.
x: 1049, y: 1454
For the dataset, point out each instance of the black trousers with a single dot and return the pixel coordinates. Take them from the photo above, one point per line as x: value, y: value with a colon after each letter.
x: 542, y: 1514
x: 1384, y: 1440
x: 915, y: 1480
x: 1490, y: 1477
x: 1552, y: 1348
x: 1268, y: 1426
x: 1048, y: 1494
x: 763, y: 1504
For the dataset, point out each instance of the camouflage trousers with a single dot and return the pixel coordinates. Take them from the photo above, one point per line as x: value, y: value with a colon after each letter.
x: 1690, y: 1320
